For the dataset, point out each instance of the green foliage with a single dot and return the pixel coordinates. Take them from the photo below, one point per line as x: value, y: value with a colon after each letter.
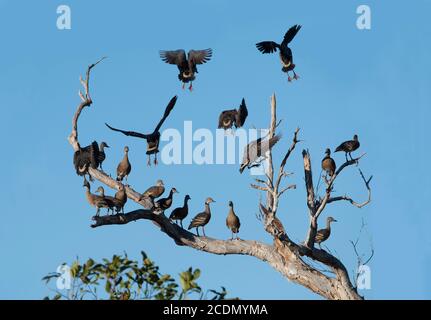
x: 122, y: 279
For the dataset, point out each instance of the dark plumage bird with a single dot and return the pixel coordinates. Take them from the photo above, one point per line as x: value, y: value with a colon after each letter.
x: 102, y: 155
x: 85, y: 158
x: 201, y: 219
x: 328, y: 164
x: 165, y: 203
x: 181, y: 212
x: 349, y: 146
x: 232, y: 221
x: 124, y: 167
x: 95, y: 200
x: 256, y: 149
x: 186, y: 65
x: 286, y: 56
x: 229, y: 118
x: 153, y: 138
x: 121, y: 198
x: 323, y: 234
x: 154, y: 192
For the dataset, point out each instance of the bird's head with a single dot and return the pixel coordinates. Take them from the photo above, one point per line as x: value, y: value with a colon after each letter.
x: 330, y: 219
x: 355, y: 137
x: 121, y: 186
x: 328, y: 151
x: 209, y: 200
x: 187, y: 197
x: 160, y: 183
x: 231, y: 204
x: 243, y: 166
x: 100, y: 190
x: 126, y: 149
x: 173, y: 190
x: 103, y: 145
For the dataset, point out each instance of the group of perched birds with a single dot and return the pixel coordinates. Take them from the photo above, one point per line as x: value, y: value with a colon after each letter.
x: 93, y: 155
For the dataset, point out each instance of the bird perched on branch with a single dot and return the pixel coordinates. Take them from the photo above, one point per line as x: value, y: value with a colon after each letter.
x: 323, y: 234
x: 121, y: 198
x: 85, y: 158
x: 328, y: 164
x: 154, y: 192
x: 165, y: 203
x: 95, y: 200
x: 153, y: 139
x: 124, y: 167
x: 349, y: 146
x: 181, y: 212
x: 255, y: 150
x: 232, y: 221
x: 201, y: 219
x: 186, y: 65
x: 286, y: 56
x: 229, y: 118
x: 102, y: 155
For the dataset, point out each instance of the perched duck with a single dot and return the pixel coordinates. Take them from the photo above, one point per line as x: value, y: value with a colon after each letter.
x: 154, y: 191
x: 201, y: 219
x: 349, y: 146
x: 124, y: 167
x: 286, y: 56
x: 328, y: 164
x: 111, y: 202
x: 165, y: 203
x: 85, y: 158
x: 181, y: 212
x: 232, y: 221
x: 229, y: 118
x: 323, y: 234
x: 102, y: 155
x: 186, y: 65
x: 256, y: 149
x: 94, y: 199
x: 153, y: 138
x: 121, y: 198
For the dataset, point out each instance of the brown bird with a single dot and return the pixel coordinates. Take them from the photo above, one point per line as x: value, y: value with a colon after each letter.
x: 124, y: 167
x: 186, y: 65
x: 165, y: 203
x: 349, y: 146
x: 154, y: 192
x: 181, y: 212
x: 95, y: 200
x: 229, y: 118
x: 201, y: 219
x: 323, y: 234
x: 256, y: 149
x: 153, y: 138
x: 110, y: 201
x: 102, y: 155
x: 121, y: 198
x: 232, y: 221
x: 328, y: 164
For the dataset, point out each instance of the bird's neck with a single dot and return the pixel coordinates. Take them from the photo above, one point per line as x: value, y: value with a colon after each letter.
x: 185, y: 202
x: 328, y: 225
x: 207, y: 208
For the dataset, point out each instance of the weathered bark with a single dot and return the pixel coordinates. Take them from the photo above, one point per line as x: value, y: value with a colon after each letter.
x: 283, y: 255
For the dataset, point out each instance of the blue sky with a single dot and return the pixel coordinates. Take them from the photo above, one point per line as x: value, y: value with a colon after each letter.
x: 374, y: 83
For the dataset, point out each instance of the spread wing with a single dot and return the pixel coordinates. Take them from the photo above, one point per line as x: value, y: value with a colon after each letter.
x: 128, y: 133
x: 168, y: 110
x: 86, y: 157
x: 241, y: 115
x: 257, y: 148
x: 177, y: 57
x: 200, y: 56
x: 290, y: 34
x: 267, y: 46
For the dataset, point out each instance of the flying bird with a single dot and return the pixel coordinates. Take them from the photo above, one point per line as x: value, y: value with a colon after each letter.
x: 232, y: 221
x: 85, y: 158
x: 153, y: 138
x: 230, y: 118
x: 181, y: 212
x: 286, y: 56
x: 186, y: 65
x: 255, y: 150
x: 349, y: 146
x: 328, y: 164
x: 323, y: 234
x: 201, y: 219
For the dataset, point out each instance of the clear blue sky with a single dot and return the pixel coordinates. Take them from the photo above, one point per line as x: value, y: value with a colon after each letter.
x: 375, y: 83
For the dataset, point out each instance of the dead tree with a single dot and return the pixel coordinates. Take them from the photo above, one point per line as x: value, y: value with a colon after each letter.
x: 284, y: 255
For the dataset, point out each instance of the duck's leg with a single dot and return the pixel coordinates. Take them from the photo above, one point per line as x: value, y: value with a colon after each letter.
x: 149, y: 161
x: 184, y: 85
x: 97, y: 212
x: 346, y: 157
x: 191, y: 86
x: 295, y: 76
x: 181, y: 222
x: 231, y: 235
x: 203, y: 230
x: 197, y: 231
x: 288, y: 77
x: 155, y: 159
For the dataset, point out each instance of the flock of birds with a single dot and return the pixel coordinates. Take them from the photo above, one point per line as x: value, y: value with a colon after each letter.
x: 93, y: 155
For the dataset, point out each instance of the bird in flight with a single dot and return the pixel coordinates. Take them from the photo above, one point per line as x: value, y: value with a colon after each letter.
x: 186, y: 65
x: 255, y: 150
x: 230, y: 118
x: 153, y: 138
x: 286, y: 56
